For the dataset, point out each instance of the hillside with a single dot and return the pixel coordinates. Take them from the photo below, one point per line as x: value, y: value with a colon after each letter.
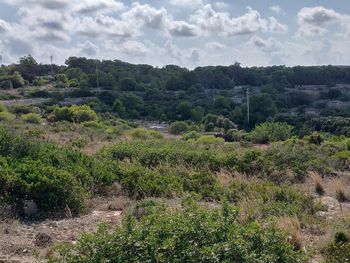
x: 105, y: 161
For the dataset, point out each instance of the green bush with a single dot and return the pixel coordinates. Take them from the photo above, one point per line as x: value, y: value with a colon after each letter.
x: 6, y: 116
x: 190, y: 234
x: 74, y: 113
x: 337, y: 251
x: 3, y: 108
x: 50, y: 175
x: 142, y: 133
x: 206, y: 139
x: 271, y: 132
x: 192, y: 135
x: 32, y: 118
x: 178, y: 127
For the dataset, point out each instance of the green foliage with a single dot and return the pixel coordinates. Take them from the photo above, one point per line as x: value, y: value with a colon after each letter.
x: 271, y: 132
x: 190, y: 234
x: 192, y: 135
x: 178, y: 127
x: 141, y: 133
x: 51, y: 176
x: 205, y: 139
x: 32, y: 118
x: 74, y: 113
x: 214, y: 123
x: 337, y: 251
x: 6, y: 116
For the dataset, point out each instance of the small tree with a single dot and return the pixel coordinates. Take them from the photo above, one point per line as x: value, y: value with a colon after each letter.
x: 178, y: 127
x: 271, y: 132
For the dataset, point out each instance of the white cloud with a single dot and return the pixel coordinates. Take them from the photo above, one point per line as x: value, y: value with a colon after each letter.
x: 187, y: 3
x: 315, y: 21
x: 89, y: 7
x: 211, y: 21
x: 277, y: 27
x: 182, y: 29
x: 146, y: 15
x: 215, y: 46
x: 131, y: 48
x: 4, y: 26
x: 276, y: 9
x: 89, y: 48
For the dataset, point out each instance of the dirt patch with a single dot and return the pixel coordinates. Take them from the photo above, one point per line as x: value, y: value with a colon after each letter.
x: 30, y: 242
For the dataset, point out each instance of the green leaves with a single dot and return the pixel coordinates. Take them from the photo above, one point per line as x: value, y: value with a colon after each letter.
x: 189, y: 234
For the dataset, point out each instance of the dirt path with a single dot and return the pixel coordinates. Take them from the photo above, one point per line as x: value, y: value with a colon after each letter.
x: 28, y: 243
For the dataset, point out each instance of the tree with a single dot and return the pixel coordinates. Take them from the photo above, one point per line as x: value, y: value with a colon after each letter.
x: 17, y: 80
x: 183, y: 110
x: 28, y: 61
x: 262, y: 107
x: 118, y: 107
x: 178, y: 127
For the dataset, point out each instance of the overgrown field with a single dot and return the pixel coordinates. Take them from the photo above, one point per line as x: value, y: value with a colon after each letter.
x: 239, y: 196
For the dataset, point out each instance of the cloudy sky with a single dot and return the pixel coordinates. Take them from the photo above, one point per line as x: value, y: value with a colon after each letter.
x: 184, y: 32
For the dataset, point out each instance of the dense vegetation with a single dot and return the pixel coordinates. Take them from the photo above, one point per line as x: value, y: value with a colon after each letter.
x: 172, y: 93
x: 68, y: 135
x: 190, y: 234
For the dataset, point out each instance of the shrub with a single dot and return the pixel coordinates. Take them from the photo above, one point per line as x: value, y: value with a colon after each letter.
x: 74, y: 113
x: 6, y: 116
x: 271, y: 132
x: 337, y: 251
x: 142, y: 133
x: 315, y: 138
x: 20, y: 109
x: 51, y: 188
x: 32, y: 118
x: 192, y: 135
x: 190, y: 234
x: 209, y: 139
x: 3, y: 108
x: 178, y: 127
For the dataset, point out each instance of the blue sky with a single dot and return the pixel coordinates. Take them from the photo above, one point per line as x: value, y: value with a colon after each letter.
x: 188, y: 33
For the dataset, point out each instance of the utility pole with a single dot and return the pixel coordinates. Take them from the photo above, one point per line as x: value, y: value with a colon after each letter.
x: 51, y: 60
x: 248, y: 106
x: 214, y: 87
x: 0, y: 60
x: 97, y: 80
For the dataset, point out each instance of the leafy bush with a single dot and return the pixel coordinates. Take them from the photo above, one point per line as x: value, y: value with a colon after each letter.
x: 271, y: 132
x: 141, y: 133
x: 20, y: 109
x: 32, y: 118
x: 74, y: 113
x: 3, y: 108
x: 337, y: 251
x: 6, y: 116
x: 210, y: 139
x: 190, y: 234
x: 192, y: 135
x: 178, y: 127
x: 52, y: 176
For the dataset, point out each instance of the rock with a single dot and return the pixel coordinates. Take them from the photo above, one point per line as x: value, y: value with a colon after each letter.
x: 30, y: 208
x: 42, y: 240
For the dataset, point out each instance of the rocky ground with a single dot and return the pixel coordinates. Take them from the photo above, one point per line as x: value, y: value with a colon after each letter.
x: 30, y: 242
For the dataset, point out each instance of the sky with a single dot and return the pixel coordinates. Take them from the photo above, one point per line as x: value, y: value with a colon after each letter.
x: 188, y: 33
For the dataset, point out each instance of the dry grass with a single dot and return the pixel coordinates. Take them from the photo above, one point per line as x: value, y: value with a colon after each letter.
x: 338, y: 187
x: 318, y: 183
x: 291, y: 226
x: 225, y: 178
